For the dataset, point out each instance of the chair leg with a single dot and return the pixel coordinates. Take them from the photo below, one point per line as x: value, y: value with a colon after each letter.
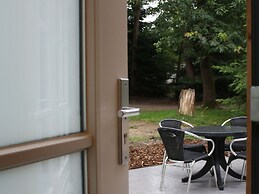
x: 164, y: 162
x: 230, y: 159
x: 243, y: 170
x: 215, y: 175
x: 187, y: 167
x: 226, y: 174
x: 190, y: 177
x: 212, y: 172
x: 163, y: 172
x: 164, y: 159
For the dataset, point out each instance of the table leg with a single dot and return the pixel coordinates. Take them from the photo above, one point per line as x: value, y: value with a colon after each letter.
x: 219, y: 159
x: 218, y: 174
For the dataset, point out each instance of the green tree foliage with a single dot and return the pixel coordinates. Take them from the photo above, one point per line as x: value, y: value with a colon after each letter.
x: 236, y: 71
x: 148, y: 70
x: 203, y: 34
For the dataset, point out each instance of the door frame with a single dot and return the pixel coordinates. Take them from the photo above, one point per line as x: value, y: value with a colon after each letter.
x: 253, y: 80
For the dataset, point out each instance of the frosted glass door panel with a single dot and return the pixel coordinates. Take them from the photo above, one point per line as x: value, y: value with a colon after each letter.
x: 61, y: 175
x: 39, y: 69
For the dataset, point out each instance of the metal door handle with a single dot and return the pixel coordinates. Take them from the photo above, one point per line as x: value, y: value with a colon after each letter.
x: 123, y: 113
x: 254, y: 103
x: 128, y: 112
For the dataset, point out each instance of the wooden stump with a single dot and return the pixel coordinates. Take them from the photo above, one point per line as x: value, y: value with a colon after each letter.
x: 186, y: 102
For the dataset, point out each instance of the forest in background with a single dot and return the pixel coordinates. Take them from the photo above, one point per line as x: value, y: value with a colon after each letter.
x: 198, y: 44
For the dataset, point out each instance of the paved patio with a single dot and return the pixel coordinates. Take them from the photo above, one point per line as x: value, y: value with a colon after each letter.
x: 147, y: 181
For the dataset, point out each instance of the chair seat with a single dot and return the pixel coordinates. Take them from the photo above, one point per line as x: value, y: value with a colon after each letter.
x: 195, y: 147
x: 190, y: 156
x: 238, y: 146
x: 240, y: 155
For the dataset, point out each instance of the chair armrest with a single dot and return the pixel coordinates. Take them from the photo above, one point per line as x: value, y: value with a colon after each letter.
x: 188, y: 124
x: 236, y: 140
x: 224, y: 123
x: 202, y: 138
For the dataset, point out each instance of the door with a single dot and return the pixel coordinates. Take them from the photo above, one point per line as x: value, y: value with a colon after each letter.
x: 253, y: 80
x: 60, y: 61
x: 43, y: 138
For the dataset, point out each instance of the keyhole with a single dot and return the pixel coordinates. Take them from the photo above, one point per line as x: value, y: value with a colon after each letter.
x: 125, y: 137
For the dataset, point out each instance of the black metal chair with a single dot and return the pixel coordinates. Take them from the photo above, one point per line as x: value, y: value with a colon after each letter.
x: 176, y: 155
x: 236, y: 121
x: 237, y: 155
x: 179, y: 124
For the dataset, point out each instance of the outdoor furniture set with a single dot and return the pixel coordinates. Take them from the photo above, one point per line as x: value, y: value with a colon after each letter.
x: 173, y: 133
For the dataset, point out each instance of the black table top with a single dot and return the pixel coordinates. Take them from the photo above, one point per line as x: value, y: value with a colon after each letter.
x: 218, y: 131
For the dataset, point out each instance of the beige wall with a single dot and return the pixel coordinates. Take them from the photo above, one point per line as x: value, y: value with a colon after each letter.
x: 106, y: 47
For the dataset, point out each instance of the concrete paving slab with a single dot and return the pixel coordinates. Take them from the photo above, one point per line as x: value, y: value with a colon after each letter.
x: 147, y: 181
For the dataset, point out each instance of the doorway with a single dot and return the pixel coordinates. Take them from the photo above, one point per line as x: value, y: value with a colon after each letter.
x: 249, y: 57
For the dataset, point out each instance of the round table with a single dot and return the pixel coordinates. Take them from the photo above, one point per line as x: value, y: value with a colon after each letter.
x: 218, y: 134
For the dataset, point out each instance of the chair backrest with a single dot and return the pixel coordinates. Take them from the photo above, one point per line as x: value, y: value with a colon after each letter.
x: 174, y: 123
x: 239, y: 141
x: 173, y: 142
x: 236, y: 121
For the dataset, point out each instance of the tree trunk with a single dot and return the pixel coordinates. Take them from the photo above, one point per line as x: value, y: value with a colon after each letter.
x: 134, y: 46
x: 208, y: 83
x: 190, y: 69
x: 179, y: 63
x: 186, y: 102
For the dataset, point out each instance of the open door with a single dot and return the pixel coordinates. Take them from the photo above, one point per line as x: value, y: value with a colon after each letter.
x: 253, y: 96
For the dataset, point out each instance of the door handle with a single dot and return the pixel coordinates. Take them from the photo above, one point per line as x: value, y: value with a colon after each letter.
x: 128, y: 112
x: 123, y: 127
x: 254, y: 103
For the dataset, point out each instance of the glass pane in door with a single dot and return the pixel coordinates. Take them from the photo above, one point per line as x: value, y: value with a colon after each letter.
x: 62, y: 175
x: 39, y: 71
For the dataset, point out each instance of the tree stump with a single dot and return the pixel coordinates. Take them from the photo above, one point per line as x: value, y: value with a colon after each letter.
x: 186, y: 102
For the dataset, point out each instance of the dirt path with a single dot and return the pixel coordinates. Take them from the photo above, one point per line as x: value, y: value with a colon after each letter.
x: 145, y: 129
x: 154, y: 104
x: 139, y: 128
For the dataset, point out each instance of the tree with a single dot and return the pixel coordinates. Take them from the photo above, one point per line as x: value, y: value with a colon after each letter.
x: 136, y: 6
x: 202, y: 33
x: 148, y: 70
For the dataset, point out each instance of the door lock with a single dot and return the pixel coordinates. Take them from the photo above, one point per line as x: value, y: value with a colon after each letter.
x: 124, y: 112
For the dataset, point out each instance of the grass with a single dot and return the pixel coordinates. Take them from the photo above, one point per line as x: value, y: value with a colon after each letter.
x: 201, y: 117
x: 135, y: 139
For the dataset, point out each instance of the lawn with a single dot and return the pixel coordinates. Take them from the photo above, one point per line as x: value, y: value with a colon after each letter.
x: 201, y: 117
x: 151, y: 151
